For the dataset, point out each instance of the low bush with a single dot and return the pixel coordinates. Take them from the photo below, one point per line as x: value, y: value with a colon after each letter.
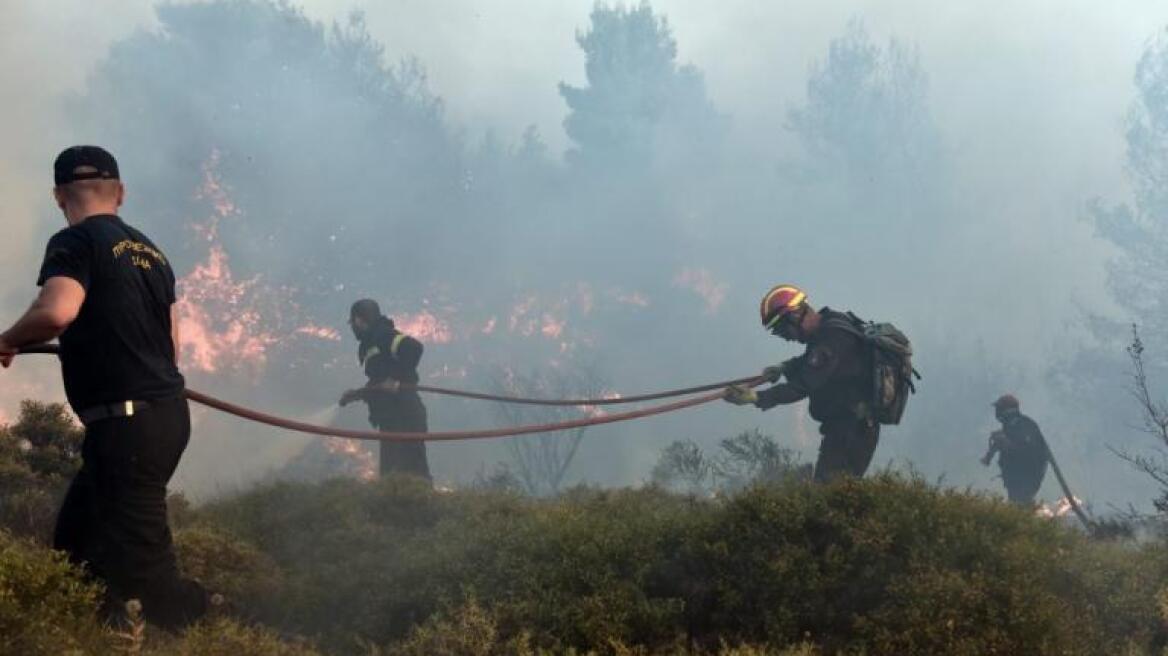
x: 888, y: 565
x: 46, y: 607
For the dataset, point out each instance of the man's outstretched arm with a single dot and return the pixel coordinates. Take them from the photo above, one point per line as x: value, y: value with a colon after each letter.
x: 51, y: 313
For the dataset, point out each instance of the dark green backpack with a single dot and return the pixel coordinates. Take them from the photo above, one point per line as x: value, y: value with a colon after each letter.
x: 892, y: 369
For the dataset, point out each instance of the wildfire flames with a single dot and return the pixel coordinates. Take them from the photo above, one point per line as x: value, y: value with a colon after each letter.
x: 232, y: 324
x: 226, y: 323
x: 1060, y: 508
x: 217, y: 324
x: 320, y: 332
x: 365, y: 462
x: 424, y: 326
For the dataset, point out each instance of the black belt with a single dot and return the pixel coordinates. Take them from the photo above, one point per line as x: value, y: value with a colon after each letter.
x: 111, y: 411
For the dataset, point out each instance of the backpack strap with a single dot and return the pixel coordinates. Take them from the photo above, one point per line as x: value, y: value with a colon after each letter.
x: 849, y: 323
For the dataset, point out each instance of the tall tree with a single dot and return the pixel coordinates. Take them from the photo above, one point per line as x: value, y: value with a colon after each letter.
x: 639, y: 103
x: 340, y: 164
x: 866, y: 116
x: 1139, y: 229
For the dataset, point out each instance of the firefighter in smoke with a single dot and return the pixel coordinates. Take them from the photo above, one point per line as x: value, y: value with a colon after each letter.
x: 1021, y: 450
x: 390, y: 359
x: 108, y: 293
x: 835, y: 373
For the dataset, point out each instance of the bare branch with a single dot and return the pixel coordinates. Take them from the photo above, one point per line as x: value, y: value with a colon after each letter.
x: 542, y: 461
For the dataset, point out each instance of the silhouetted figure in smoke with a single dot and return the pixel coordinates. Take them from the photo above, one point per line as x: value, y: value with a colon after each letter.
x: 108, y: 293
x: 1021, y: 451
x: 856, y: 376
x: 390, y: 359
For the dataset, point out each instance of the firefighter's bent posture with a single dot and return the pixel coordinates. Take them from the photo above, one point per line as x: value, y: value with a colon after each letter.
x: 390, y: 359
x: 834, y: 373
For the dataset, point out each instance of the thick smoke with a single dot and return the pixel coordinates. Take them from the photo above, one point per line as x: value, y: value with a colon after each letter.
x: 614, y: 205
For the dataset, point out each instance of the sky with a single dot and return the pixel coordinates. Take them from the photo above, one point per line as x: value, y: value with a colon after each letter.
x: 1029, y: 97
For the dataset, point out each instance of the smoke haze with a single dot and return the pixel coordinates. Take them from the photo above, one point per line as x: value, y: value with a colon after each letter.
x: 930, y: 166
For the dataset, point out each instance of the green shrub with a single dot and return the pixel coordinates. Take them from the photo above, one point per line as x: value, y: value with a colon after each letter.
x: 226, y: 564
x: 887, y: 565
x: 226, y: 638
x: 45, y: 605
x: 38, y: 455
x: 470, y: 630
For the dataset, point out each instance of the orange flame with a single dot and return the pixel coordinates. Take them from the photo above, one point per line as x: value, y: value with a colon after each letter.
x: 362, y: 456
x: 219, y: 327
x: 213, y: 188
x: 552, y: 327
x: 1061, y: 508
x: 320, y: 332
x: 424, y: 326
x: 225, y: 323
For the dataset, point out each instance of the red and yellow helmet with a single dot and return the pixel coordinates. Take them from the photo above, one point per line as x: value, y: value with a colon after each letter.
x: 778, y: 302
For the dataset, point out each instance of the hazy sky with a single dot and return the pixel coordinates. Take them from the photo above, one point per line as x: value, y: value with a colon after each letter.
x: 1047, y: 82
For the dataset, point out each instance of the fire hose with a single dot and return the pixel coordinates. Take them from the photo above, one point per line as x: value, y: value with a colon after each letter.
x: 1058, y: 474
x: 289, y: 424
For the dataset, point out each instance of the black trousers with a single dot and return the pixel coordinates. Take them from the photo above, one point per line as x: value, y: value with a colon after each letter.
x: 847, y: 447
x: 1022, y: 479
x: 113, y: 520
x: 405, y: 413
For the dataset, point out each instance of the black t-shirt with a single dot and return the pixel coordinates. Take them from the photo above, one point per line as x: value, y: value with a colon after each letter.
x: 119, y: 347
x: 1023, y: 449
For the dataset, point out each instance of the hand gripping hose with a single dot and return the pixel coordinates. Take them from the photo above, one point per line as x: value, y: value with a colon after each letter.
x: 280, y: 422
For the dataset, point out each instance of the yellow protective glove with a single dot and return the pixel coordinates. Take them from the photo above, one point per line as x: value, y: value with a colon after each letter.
x: 740, y: 395
x: 773, y: 373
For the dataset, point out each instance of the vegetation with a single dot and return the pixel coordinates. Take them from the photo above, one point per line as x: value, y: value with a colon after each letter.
x: 887, y: 565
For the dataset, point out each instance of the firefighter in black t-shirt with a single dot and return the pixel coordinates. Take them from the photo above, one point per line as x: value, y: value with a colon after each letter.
x: 1021, y: 450
x: 390, y: 359
x: 107, y: 292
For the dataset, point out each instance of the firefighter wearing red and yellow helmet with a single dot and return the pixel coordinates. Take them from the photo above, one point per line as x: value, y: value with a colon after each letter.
x: 833, y: 373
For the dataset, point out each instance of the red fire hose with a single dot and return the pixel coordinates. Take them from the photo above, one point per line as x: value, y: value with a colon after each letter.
x: 280, y: 422
x: 616, y: 400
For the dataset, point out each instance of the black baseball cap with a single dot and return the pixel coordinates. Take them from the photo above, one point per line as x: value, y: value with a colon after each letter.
x: 65, y: 168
